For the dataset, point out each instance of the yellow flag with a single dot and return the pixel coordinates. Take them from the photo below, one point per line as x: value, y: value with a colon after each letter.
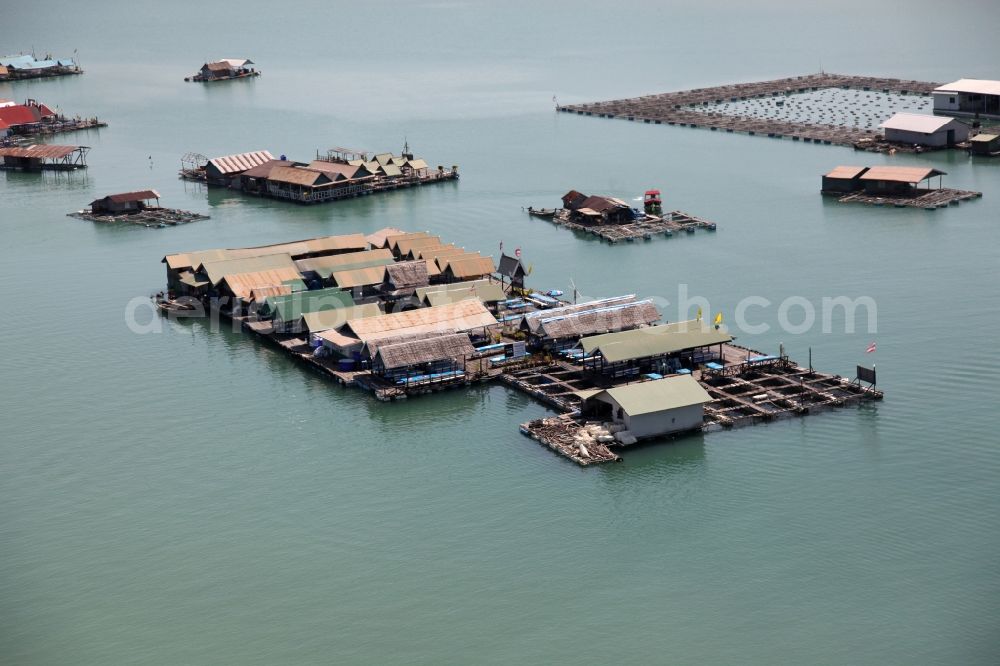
x: 718, y: 319
x: 699, y: 315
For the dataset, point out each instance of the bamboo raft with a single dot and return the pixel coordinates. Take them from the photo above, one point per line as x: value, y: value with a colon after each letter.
x: 645, y: 228
x: 149, y: 217
x: 681, y: 108
x: 930, y: 200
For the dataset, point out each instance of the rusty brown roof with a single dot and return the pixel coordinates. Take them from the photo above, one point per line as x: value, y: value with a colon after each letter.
x: 240, y: 162
x: 298, y: 176
x: 40, y: 151
x: 263, y: 170
x: 846, y: 172
x: 142, y: 195
x: 898, y: 174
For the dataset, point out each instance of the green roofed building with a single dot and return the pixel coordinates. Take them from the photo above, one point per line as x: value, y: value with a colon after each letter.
x: 660, y: 349
x: 649, y: 409
x: 286, y: 311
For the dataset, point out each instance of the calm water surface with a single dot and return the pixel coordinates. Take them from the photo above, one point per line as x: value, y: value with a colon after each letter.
x: 194, y: 497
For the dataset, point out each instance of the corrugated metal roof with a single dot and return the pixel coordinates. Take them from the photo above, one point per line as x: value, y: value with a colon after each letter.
x: 260, y: 294
x: 453, y: 286
x: 325, y: 320
x: 359, y: 277
x: 338, y: 339
x: 391, y: 170
x: 654, y: 340
x: 294, y: 248
x: 901, y: 174
x: 241, y: 162
x: 237, y: 62
x: 263, y: 170
x: 324, y: 266
x: 339, y: 171
x: 435, y: 251
x: 241, y: 284
x: 483, y: 290
x: 463, y: 316
x: 390, y: 241
x: 534, y: 319
x: 39, y: 151
x: 290, y: 308
x: 299, y: 176
x: 215, y: 271
x: 974, y: 86
x: 467, y: 266
x: 405, y: 245
x: 377, y: 239
x: 17, y: 115
x: 602, y: 320
x: 846, y: 172
x: 656, y: 396
x: 125, y: 197
x: 916, y: 122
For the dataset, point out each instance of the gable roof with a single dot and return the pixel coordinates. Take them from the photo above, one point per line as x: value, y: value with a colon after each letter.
x: 325, y: 320
x: 484, y: 290
x: 653, y: 340
x: 973, y: 86
x: 391, y: 241
x: 402, y: 246
x: 463, y: 316
x: 465, y: 266
x: 215, y: 271
x: 406, y: 274
x: 263, y: 170
x: 240, y: 162
x: 846, y: 172
x: 600, y: 320
x: 299, y: 176
x: 339, y: 171
x: 901, y: 174
x: 125, y: 197
x: 917, y: 122
x: 359, y: 277
x: 425, y: 350
x: 510, y: 267
x: 377, y: 238
x: 656, y: 396
x: 324, y: 266
x: 291, y: 307
x: 241, y: 284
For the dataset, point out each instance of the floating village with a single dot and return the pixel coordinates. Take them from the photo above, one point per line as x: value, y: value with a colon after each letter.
x: 400, y: 314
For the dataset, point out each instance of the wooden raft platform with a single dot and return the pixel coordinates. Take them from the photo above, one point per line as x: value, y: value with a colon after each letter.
x: 930, y: 200
x: 680, y: 108
x: 563, y: 435
x: 645, y: 228
x: 150, y: 217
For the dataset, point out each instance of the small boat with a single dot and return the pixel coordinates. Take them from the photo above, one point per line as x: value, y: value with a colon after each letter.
x: 542, y: 212
x: 179, y: 308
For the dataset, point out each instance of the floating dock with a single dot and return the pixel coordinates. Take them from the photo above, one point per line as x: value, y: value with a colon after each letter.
x: 150, y: 217
x: 644, y: 228
x: 700, y: 108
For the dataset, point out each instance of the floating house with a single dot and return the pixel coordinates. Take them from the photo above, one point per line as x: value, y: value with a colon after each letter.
x: 23, y: 118
x: 968, y: 97
x: 661, y: 349
x: 464, y: 267
x: 595, y: 210
x: 843, y: 180
x: 127, y: 202
x: 227, y: 170
x: 45, y: 157
x: 649, y: 409
x: 893, y: 180
x: 254, y: 180
x: 27, y: 67
x: 227, y: 68
x: 436, y: 356
x: 985, y: 144
x: 326, y: 320
x: 924, y: 130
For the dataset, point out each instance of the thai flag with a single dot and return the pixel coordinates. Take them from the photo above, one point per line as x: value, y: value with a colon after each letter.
x: 871, y: 348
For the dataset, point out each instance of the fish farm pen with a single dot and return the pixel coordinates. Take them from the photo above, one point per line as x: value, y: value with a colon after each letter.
x: 759, y: 109
x: 401, y: 314
x: 140, y: 208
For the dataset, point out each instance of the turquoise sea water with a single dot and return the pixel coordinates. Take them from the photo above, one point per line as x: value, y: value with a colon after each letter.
x: 192, y: 496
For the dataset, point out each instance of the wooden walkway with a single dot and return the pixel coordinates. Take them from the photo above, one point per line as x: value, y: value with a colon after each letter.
x: 681, y: 108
